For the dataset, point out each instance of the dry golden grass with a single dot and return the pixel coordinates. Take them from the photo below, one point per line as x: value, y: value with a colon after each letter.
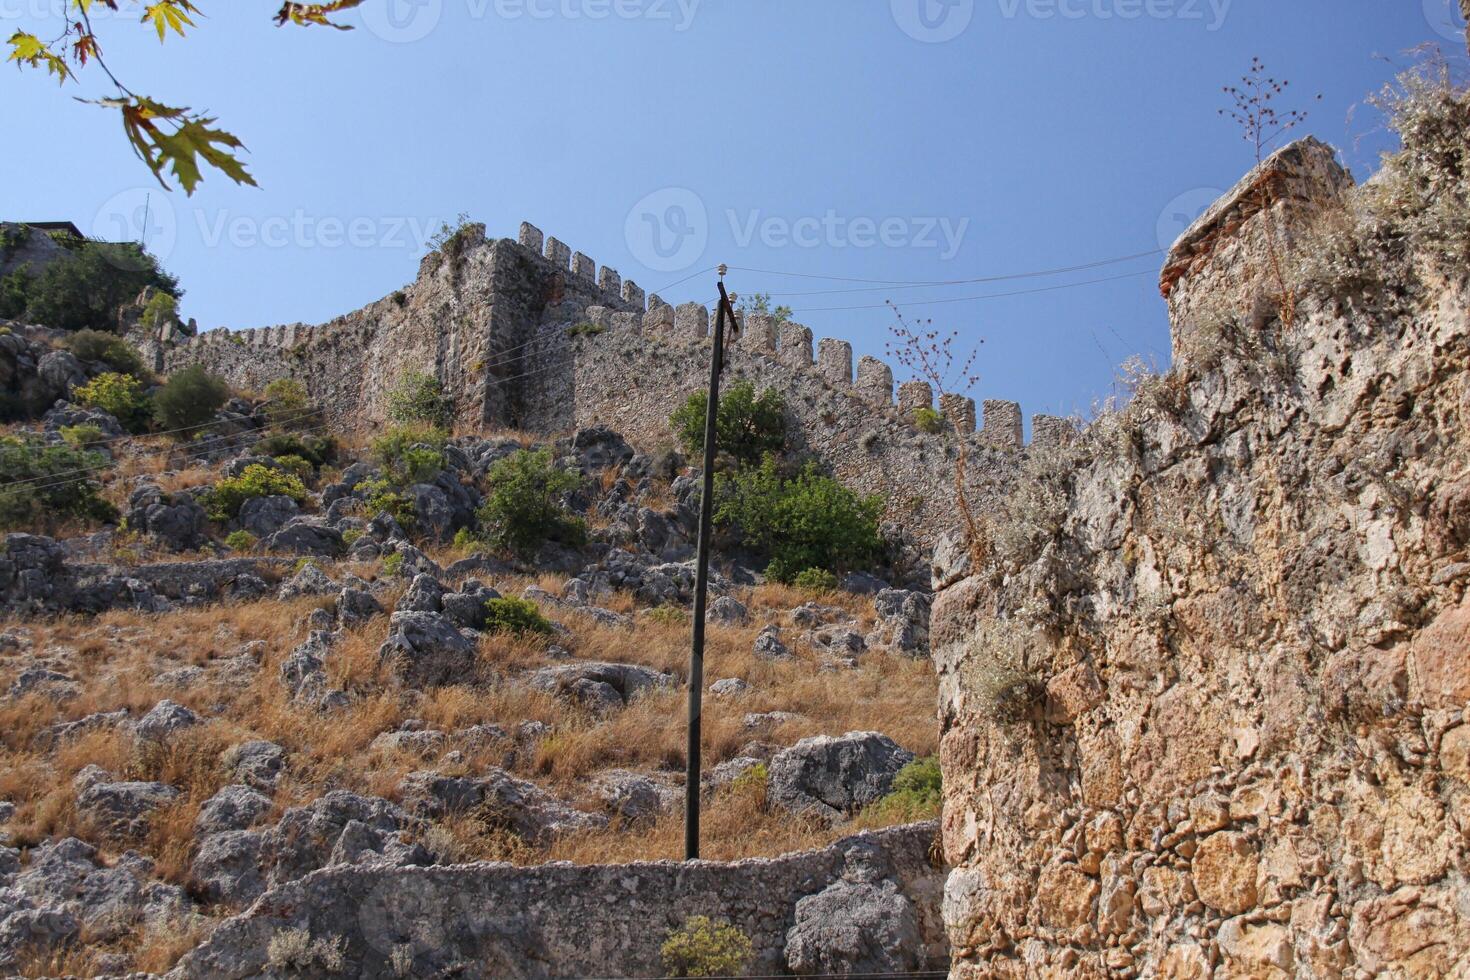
x: 117, y: 656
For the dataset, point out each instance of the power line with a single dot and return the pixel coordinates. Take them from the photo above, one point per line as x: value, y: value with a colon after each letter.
x: 953, y: 282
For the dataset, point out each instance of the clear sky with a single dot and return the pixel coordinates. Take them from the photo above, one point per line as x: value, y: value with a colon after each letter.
x: 894, y: 140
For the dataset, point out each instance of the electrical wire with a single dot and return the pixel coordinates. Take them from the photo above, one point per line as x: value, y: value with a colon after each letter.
x: 953, y: 282
x: 985, y: 296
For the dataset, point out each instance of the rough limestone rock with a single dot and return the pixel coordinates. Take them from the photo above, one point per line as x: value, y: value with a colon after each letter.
x: 855, y: 927
x: 833, y: 777
x: 122, y: 810
x: 425, y: 649
x: 264, y: 516
x: 256, y: 763
x: 232, y: 808
x: 163, y: 720
x: 599, y: 686
x: 174, y: 520
x: 527, y: 809
x: 727, y: 611
x: 1241, y: 748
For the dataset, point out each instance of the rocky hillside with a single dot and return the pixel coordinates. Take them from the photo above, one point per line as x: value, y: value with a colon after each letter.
x: 234, y: 660
x: 1204, y: 711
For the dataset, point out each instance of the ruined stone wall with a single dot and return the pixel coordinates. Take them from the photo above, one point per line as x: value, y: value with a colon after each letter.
x: 561, y: 920
x: 1204, y: 716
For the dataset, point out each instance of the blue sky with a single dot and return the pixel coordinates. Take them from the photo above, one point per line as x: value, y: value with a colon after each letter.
x: 894, y: 140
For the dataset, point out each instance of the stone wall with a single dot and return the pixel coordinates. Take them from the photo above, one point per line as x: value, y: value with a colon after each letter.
x: 561, y: 920
x: 1205, y: 717
x: 524, y: 333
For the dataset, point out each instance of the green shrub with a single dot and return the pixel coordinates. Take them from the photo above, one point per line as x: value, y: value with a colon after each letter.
x: 516, y: 616
x: 189, y: 398
x: 119, y: 395
x: 82, y: 436
x: 241, y: 540
x: 109, y: 348
x: 316, y: 450
x: 928, y: 420
x: 418, y: 399
x: 351, y: 536
x: 813, y: 580
x: 393, y: 564
x: 58, y: 483
x: 296, y: 466
x: 705, y: 948
x: 748, y: 426
x: 410, y: 454
x: 227, y: 496
x: 88, y: 288
x: 806, y: 521
x: 287, y: 405
x: 668, y: 615
x: 524, y: 506
x: 383, y: 496
x: 917, y: 793
x: 585, y: 329
x: 754, y: 780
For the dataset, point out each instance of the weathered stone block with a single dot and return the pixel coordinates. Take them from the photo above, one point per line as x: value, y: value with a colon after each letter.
x: 559, y: 254
x: 610, y: 282
x: 583, y: 267
x: 1002, y: 424
x: 834, y: 360
x: 633, y: 294
x: 960, y: 411
x: 659, y: 321
x: 1051, y: 430
x: 758, y: 334
x: 914, y: 395
x: 795, y: 346
x: 691, y: 321
x: 531, y: 237
x: 875, y: 381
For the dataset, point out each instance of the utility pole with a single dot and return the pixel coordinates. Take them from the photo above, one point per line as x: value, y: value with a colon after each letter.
x: 701, y: 580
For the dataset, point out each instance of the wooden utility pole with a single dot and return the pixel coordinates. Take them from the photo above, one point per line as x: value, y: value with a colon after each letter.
x: 701, y: 580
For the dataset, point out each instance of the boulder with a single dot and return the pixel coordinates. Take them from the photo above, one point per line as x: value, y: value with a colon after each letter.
x: 903, y: 622
x: 727, y: 611
x: 309, y: 581
x: 232, y: 808
x: 163, y: 720
x: 599, y: 686
x: 530, y: 811
x: 256, y: 763
x: 357, y: 606
x: 174, y: 520
x: 632, y: 797
x: 304, y: 670
x: 728, y: 687
x: 424, y: 594
x: 768, y: 645
x: 307, y: 536
x: 264, y: 516
x: 855, y: 927
x: 425, y: 649
x: 123, y: 809
x: 836, y: 776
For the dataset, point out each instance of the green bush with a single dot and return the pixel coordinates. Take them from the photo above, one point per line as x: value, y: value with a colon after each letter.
x: 928, y: 420
x: 383, y: 496
x: 393, y: 564
x: 586, y: 329
x: 287, y: 405
x: 524, y: 506
x: 516, y: 616
x: 60, y: 483
x: 241, y: 540
x: 410, y: 454
x: 82, y: 436
x: 805, y: 521
x: 813, y: 580
x: 668, y: 615
x: 296, y: 466
x: 227, y: 496
x: 88, y: 288
x: 418, y: 399
x: 316, y: 450
x: 748, y: 426
x: 119, y: 395
x: 109, y: 348
x: 917, y: 793
x: 189, y: 398
x: 705, y: 948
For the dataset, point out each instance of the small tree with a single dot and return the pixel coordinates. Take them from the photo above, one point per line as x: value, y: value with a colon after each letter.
x: 748, y: 425
x: 418, y: 399
x: 109, y: 348
x: 702, y: 947
x: 257, y: 480
x: 39, y: 482
x: 524, y: 506
x: 189, y: 399
x: 760, y: 303
x: 287, y: 405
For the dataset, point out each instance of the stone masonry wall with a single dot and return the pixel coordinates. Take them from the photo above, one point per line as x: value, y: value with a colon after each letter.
x: 561, y: 920
x: 1205, y: 715
x: 523, y: 334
